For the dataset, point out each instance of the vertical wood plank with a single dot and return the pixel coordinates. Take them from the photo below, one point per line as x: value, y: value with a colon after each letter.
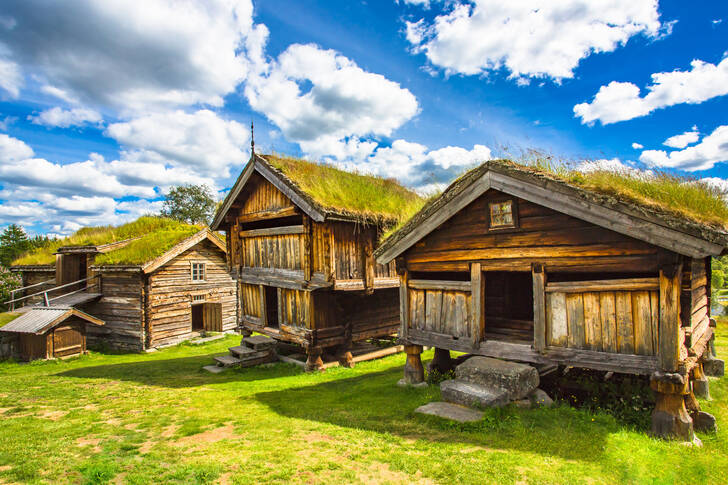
x: 556, y: 319
x: 369, y: 261
x: 625, y: 332
x: 539, y: 307
x: 609, y: 321
x: 575, y: 319
x: 477, y: 299
x: 655, y: 319
x: 306, y: 249
x: 669, y: 333
x: 281, y: 317
x: 263, y: 305
x: 642, y: 322
x: 404, y: 303
x: 592, y: 321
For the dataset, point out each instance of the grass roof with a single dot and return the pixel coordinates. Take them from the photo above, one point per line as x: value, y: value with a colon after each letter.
x: 350, y: 194
x: 7, y: 317
x: 157, y: 235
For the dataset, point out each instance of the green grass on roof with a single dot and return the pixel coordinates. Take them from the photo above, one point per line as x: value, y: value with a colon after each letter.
x: 7, y: 317
x: 350, y: 193
x: 148, y: 247
x: 157, y: 232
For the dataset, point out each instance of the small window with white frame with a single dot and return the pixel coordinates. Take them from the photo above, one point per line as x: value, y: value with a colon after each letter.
x: 198, y: 271
x: 502, y: 214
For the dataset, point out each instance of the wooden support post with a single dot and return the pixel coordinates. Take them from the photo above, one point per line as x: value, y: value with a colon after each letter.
x: 442, y: 362
x: 369, y: 263
x: 414, y: 373
x: 306, y: 249
x: 539, y: 307
x: 700, y: 383
x: 403, y: 304
x: 477, y: 288
x: 345, y: 358
x: 263, y: 306
x: 670, y: 419
x: 669, y: 333
x: 313, y: 359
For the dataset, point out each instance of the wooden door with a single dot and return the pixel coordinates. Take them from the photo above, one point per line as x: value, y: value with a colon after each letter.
x: 212, y: 317
x: 68, y: 340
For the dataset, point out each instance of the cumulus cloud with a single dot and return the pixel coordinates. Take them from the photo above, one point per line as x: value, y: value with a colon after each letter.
x: 682, y: 140
x: 530, y: 39
x: 612, y: 165
x: 317, y: 96
x: 201, y: 140
x: 712, y: 149
x: 620, y: 101
x: 132, y: 55
x: 637, y: 146
x: 63, y: 118
x: 12, y: 149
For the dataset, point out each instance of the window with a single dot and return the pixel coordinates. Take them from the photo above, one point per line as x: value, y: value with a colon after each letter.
x: 198, y: 298
x: 501, y: 214
x: 198, y: 271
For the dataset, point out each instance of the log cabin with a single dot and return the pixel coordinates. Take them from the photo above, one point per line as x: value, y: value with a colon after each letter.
x: 300, y: 241
x: 516, y: 263
x: 166, y: 283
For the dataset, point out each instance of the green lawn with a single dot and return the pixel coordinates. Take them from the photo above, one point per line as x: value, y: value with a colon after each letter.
x: 158, y: 417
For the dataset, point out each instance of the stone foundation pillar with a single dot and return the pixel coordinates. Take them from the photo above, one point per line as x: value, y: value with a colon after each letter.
x: 701, y: 385
x: 670, y: 419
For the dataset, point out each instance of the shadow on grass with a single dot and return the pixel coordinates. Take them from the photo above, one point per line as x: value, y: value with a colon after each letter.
x: 373, y: 402
x: 181, y: 372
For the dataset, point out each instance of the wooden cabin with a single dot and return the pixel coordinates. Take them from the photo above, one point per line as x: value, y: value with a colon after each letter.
x: 301, y: 246
x: 513, y: 263
x: 150, y: 294
x: 50, y: 333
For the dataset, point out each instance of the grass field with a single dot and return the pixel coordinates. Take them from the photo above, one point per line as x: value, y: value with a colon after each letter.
x: 143, y: 418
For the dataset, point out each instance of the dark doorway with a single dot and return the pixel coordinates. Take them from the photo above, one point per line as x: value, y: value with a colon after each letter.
x: 509, y: 306
x: 197, y: 317
x: 271, y: 306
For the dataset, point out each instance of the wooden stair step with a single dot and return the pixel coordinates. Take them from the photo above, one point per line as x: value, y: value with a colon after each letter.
x: 227, y: 361
x: 241, y: 351
x: 259, y: 342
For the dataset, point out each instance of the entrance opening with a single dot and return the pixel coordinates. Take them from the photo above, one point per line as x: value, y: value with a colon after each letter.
x: 271, y: 306
x: 197, y: 317
x: 509, y: 306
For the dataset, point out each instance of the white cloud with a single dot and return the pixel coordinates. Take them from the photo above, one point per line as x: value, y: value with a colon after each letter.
x: 202, y: 140
x: 613, y: 165
x: 419, y: 3
x: 12, y: 149
x: 620, y: 101
x: 132, y: 55
x: 529, y: 38
x: 63, y: 118
x: 682, y: 140
x: 637, y: 146
x: 717, y: 183
x: 712, y: 149
x: 11, y: 80
x: 316, y: 96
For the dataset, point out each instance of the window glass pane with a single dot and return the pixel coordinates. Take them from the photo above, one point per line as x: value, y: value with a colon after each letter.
x: 198, y: 271
x: 501, y: 214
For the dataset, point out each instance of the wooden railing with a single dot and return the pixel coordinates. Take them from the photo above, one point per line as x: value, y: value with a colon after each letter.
x: 46, y: 299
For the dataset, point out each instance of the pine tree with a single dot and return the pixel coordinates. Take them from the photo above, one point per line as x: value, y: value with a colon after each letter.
x: 13, y: 242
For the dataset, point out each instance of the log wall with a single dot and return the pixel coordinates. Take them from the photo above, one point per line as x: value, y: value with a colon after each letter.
x: 121, y: 308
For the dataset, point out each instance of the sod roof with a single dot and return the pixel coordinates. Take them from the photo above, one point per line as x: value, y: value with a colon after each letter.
x: 332, y: 192
x: 688, y: 206
x: 150, y: 238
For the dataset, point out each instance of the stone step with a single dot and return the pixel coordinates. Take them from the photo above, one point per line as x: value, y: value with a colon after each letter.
x: 517, y: 380
x: 227, y: 361
x: 451, y: 411
x: 214, y: 369
x: 204, y: 340
x: 241, y: 351
x: 259, y: 342
x: 466, y: 393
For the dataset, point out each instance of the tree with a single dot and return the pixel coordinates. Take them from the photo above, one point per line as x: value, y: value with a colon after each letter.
x: 13, y: 242
x: 194, y: 204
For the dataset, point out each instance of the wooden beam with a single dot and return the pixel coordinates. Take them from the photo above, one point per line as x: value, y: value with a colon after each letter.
x: 669, y: 334
x: 624, y: 284
x: 273, y: 231
x: 263, y: 305
x: 270, y: 214
x: 440, y: 285
x: 539, y: 307
x: 369, y: 262
x: 477, y: 290
x: 306, y: 248
x: 272, y: 177
x: 403, y: 304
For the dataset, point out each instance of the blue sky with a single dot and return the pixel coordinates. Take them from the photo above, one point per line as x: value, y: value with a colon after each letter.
x: 106, y: 104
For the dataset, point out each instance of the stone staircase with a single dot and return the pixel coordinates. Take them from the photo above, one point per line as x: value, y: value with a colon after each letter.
x: 485, y: 382
x: 254, y: 350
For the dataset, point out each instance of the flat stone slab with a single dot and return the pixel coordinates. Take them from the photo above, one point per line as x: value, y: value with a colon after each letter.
x: 227, y: 360
x: 517, y: 380
x: 259, y: 342
x: 453, y: 412
x: 202, y: 341
x: 468, y: 394
x: 241, y: 351
x: 214, y: 369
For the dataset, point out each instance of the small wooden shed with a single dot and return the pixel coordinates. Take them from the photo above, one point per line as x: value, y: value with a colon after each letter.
x: 48, y: 333
x: 166, y: 284
x: 514, y: 263
x: 301, y: 240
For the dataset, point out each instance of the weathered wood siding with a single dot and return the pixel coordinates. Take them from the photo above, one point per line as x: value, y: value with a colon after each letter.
x: 121, y: 308
x: 283, y: 252
x: 251, y: 305
x: 261, y: 196
x: 561, y: 242
x: 695, y: 301
x: 441, y: 311
x: 294, y: 308
x: 170, y: 294
x: 33, y: 277
x: 625, y: 322
x: 67, y: 339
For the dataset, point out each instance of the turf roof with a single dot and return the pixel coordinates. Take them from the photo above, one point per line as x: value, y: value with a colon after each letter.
x: 337, y: 192
x: 156, y: 235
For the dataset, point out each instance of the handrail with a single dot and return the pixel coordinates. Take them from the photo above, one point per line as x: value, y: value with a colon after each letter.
x: 72, y: 292
x: 51, y: 289
x: 35, y: 284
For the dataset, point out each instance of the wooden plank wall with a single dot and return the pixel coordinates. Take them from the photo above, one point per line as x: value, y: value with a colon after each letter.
x: 350, y: 241
x: 68, y: 338
x: 121, y: 309
x: 543, y: 236
x: 294, y: 308
x: 445, y: 312
x: 262, y: 196
x: 695, y: 301
x: 250, y: 303
x: 33, y: 277
x: 624, y: 322
x: 170, y: 292
x: 283, y: 252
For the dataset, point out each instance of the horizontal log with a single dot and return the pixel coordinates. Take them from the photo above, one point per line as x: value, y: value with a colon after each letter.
x: 269, y: 214
x: 443, y: 285
x: 273, y: 231
x: 625, y: 284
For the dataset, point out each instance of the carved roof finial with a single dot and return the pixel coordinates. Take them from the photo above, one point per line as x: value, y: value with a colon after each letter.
x: 252, y: 138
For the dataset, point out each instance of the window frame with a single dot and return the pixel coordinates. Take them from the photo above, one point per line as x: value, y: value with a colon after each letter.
x: 192, y: 271
x: 514, y: 214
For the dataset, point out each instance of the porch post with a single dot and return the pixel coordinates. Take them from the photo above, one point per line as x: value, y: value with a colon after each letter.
x: 477, y: 293
x: 539, y: 307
